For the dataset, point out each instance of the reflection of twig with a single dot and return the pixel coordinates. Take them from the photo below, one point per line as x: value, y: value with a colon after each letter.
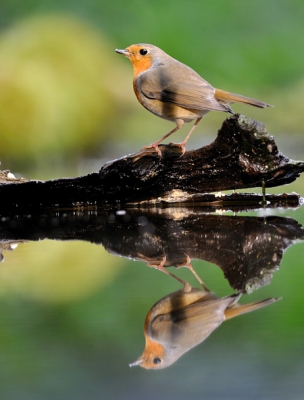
x: 264, y: 192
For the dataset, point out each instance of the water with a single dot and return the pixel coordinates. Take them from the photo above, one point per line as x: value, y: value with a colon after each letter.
x: 76, y: 289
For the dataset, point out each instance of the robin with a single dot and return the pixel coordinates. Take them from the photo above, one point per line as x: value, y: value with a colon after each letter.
x: 174, y: 91
x: 183, y: 319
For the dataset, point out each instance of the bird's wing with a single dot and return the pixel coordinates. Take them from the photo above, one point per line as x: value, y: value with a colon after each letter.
x: 189, y: 326
x: 182, y: 86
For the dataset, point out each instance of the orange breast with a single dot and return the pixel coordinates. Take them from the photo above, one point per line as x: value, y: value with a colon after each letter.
x: 154, y: 348
x: 140, y: 65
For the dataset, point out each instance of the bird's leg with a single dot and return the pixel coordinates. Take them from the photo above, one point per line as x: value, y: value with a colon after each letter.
x: 154, y: 145
x: 160, y: 267
x: 189, y: 266
x: 182, y: 145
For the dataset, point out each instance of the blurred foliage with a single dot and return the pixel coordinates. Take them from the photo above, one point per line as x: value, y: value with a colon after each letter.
x: 56, y: 90
x: 227, y: 40
x: 70, y: 273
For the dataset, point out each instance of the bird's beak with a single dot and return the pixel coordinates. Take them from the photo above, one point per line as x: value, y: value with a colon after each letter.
x: 139, y: 361
x: 125, y: 52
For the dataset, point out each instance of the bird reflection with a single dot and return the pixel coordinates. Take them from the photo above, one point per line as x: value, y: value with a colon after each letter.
x: 185, y: 318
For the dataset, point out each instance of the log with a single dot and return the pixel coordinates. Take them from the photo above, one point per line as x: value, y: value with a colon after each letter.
x: 242, y: 156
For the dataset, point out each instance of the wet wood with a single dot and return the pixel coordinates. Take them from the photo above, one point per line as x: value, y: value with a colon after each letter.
x: 242, y: 156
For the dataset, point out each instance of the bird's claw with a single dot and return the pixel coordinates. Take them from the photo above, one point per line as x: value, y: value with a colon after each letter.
x: 180, y: 145
x: 152, y: 146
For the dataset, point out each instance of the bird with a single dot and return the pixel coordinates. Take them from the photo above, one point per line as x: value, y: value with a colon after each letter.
x: 174, y: 91
x: 185, y: 318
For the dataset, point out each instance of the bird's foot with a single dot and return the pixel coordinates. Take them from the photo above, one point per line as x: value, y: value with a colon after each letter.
x: 180, y: 145
x: 152, y: 146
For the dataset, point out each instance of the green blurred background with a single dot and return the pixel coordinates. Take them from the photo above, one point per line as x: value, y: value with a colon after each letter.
x: 66, y: 99
x: 71, y: 314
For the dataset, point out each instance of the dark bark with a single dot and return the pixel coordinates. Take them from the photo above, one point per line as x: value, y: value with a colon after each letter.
x: 242, y: 156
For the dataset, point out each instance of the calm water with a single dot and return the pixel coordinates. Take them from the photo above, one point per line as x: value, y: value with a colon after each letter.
x: 76, y: 289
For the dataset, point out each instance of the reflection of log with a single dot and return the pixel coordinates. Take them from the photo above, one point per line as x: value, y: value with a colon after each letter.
x: 247, y: 249
x: 242, y: 156
x: 8, y: 245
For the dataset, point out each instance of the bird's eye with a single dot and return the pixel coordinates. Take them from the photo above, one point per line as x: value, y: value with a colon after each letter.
x: 143, y: 52
x: 157, y: 360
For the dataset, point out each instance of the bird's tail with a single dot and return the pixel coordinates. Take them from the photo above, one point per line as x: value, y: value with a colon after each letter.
x: 227, y: 98
x: 237, y: 309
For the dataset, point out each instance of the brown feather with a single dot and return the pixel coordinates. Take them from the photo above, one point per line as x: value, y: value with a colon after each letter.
x: 189, y: 91
x: 238, y: 309
x: 226, y: 97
